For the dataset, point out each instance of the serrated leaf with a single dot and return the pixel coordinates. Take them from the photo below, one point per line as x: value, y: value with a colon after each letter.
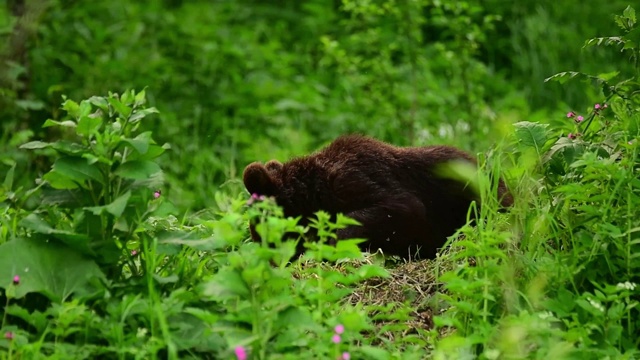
x: 52, y: 269
x: 116, y: 208
x: 35, y: 145
x: 77, y: 169
x: 570, y: 149
x: 137, y: 169
x: 531, y: 134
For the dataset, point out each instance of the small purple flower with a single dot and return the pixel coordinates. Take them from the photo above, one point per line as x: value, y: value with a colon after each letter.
x: 134, y: 252
x: 597, y: 106
x: 335, y: 339
x: 16, y: 280
x: 254, y: 198
x: 339, y: 329
x: 571, y: 136
x: 9, y: 335
x: 579, y: 119
x: 241, y: 353
x: 570, y: 114
x: 346, y: 356
x: 157, y: 193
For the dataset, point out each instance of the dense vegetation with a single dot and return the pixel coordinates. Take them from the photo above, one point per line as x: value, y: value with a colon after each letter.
x: 123, y: 221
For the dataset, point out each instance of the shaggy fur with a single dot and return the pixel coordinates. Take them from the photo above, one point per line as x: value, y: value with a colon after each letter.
x: 405, y: 209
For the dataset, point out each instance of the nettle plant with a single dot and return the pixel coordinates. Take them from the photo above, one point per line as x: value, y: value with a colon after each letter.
x: 103, y: 185
x: 272, y: 306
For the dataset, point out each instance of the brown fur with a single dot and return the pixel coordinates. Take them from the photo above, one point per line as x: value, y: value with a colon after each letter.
x: 405, y: 209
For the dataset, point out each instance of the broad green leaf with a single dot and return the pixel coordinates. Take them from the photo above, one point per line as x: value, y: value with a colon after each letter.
x: 121, y: 108
x: 206, y: 244
x: 166, y: 280
x: 68, y: 148
x: 87, y: 125
x: 369, y: 271
x: 35, y: 145
x: 127, y: 97
x: 141, y: 97
x: 531, y: 134
x: 140, y: 143
x: 116, y: 208
x: 72, y: 108
x: 571, y: 149
x: 137, y: 169
x: 226, y: 284
x: 30, y: 104
x: 8, y: 179
x: 152, y: 152
x: 630, y: 13
x: 100, y: 102
x: 59, y: 181
x: 49, y: 268
x: 76, y: 241
x: 140, y: 114
x: 373, y: 353
x: 66, y: 123
x: 77, y: 169
x: 85, y: 109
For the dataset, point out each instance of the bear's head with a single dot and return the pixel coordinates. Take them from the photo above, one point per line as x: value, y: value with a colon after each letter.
x: 263, y: 179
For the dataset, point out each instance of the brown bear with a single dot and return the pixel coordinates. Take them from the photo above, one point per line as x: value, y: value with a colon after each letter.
x: 404, y: 207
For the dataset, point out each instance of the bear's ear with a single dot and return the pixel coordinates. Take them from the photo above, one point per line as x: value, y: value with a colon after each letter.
x: 273, y: 166
x: 259, y: 180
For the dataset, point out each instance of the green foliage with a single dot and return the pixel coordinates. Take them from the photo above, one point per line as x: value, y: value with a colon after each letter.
x: 567, y: 288
x: 96, y: 263
x: 102, y: 180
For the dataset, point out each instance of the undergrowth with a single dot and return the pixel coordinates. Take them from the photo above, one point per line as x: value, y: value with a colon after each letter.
x: 104, y: 266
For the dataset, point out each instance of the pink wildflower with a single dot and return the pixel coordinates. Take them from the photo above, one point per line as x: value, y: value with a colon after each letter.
x: 579, y: 119
x: 241, y: 353
x: 134, y: 252
x: 157, y: 194
x: 9, y: 335
x: 336, y: 339
x: 571, y: 136
x: 597, y: 106
x: 346, y: 356
x: 570, y: 114
x: 254, y: 198
x: 339, y: 329
x: 16, y: 280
